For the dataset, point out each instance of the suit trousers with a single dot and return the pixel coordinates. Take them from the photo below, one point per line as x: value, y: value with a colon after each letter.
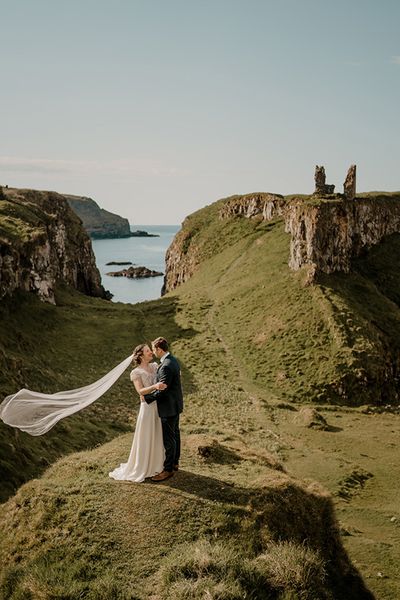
x: 171, y: 440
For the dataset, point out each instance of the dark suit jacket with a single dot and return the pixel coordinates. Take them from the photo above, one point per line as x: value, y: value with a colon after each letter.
x: 170, y: 400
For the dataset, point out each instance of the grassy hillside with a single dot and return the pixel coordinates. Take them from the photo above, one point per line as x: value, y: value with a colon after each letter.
x: 335, y: 342
x: 256, y: 344
x: 24, y: 216
x: 231, y: 522
x: 49, y: 348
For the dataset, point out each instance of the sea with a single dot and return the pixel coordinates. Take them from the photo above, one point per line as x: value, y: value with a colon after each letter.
x: 142, y: 252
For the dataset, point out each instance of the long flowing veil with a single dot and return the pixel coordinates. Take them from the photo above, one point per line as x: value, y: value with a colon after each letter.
x: 36, y: 413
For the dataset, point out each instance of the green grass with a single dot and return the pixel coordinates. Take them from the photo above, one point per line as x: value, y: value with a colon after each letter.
x: 335, y: 342
x: 253, y: 341
x: 48, y: 348
x: 20, y: 222
x: 77, y: 533
x: 284, y: 570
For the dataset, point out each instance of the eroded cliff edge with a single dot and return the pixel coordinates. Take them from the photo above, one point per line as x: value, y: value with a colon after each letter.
x: 327, y: 233
x: 42, y: 241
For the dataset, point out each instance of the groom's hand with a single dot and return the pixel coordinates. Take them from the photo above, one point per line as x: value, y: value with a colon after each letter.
x: 161, y: 386
x: 149, y: 398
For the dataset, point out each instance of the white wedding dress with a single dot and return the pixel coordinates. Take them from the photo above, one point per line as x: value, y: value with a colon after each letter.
x: 147, y: 453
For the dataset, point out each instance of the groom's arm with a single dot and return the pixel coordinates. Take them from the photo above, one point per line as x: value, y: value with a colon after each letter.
x: 165, y: 375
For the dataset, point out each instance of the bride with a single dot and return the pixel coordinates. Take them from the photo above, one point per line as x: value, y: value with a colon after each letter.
x: 147, y: 454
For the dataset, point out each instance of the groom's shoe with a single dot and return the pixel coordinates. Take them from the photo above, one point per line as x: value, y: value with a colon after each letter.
x: 162, y: 476
x: 176, y: 467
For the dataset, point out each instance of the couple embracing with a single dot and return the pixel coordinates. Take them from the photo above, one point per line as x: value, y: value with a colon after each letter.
x: 156, y: 443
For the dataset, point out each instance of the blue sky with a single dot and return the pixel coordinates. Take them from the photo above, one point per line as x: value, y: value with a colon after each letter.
x: 156, y: 108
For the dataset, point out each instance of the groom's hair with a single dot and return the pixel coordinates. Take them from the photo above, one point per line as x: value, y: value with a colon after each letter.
x: 161, y: 342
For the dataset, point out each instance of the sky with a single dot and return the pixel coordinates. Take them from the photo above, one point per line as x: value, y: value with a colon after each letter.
x: 156, y: 108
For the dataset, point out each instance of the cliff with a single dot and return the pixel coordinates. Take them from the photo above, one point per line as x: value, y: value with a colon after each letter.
x: 42, y: 241
x: 336, y: 340
x: 327, y: 233
x: 99, y: 223
x: 251, y: 205
x: 190, y: 245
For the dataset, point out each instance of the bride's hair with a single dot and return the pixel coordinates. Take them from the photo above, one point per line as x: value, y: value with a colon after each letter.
x: 138, y: 355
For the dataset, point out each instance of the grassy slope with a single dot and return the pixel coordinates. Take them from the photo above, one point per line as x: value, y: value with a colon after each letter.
x: 49, y: 348
x: 249, y: 336
x: 287, y: 342
x: 76, y: 533
x: 18, y: 221
x: 23, y: 218
x: 335, y: 342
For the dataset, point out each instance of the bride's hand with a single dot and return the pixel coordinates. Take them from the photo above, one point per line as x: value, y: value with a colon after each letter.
x: 142, y: 399
x: 161, y: 386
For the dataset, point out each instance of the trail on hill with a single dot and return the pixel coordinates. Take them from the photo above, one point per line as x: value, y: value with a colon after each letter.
x: 261, y: 406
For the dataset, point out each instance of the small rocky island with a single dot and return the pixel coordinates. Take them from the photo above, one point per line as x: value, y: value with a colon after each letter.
x: 140, y: 233
x: 136, y: 273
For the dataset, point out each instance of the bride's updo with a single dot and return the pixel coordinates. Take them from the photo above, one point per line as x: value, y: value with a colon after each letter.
x: 138, y: 355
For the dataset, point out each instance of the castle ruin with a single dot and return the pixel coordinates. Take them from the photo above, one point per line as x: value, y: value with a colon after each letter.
x: 322, y: 188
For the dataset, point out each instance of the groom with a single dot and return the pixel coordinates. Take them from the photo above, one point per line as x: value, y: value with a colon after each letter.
x: 169, y: 405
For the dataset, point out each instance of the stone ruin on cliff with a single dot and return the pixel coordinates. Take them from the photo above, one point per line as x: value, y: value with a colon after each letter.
x: 349, y: 186
x: 322, y: 188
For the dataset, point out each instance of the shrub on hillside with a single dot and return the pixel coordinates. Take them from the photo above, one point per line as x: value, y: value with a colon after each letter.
x: 296, y: 570
x: 206, y: 571
x: 203, y: 570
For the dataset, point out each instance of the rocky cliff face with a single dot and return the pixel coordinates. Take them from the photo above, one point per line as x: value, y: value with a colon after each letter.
x: 326, y: 233
x: 180, y: 263
x: 185, y: 253
x: 42, y: 241
x: 267, y: 205
x: 329, y: 234
x: 99, y: 223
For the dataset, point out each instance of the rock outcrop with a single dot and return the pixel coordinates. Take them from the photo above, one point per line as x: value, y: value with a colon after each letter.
x: 329, y: 234
x: 322, y: 188
x: 99, y: 223
x: 265, y: 204
x: 183, y: 255
x: 42, y: 241
x: 349, y: 186
x: 180, y: 264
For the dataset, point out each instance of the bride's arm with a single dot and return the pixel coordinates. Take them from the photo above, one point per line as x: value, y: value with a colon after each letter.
x: 138, y: 383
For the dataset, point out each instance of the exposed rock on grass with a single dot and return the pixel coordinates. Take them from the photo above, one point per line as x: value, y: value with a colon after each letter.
x: 353, y: 483
x: 310, y: 417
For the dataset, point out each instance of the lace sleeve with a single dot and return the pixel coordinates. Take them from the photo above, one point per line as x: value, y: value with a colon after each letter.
x: 135, y: 376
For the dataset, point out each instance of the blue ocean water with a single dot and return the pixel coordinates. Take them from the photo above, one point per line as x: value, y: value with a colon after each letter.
x: 143, y: 252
